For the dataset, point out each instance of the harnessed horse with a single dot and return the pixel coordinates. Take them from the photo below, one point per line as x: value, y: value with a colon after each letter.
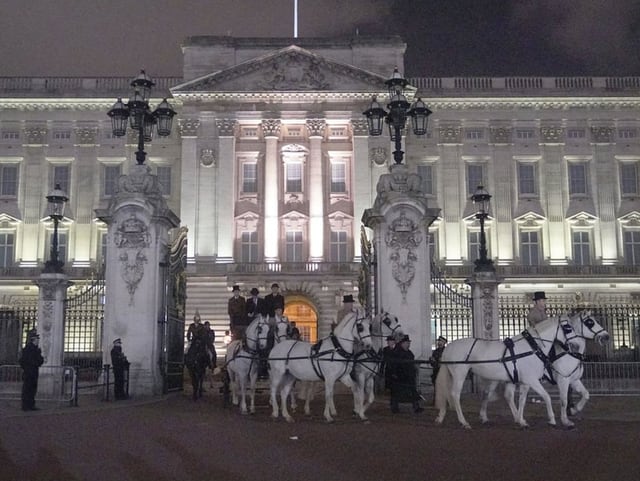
x: 566, y: 370
x: 522, y: 360
x: 242, y: 362
x: 330, y: 360
x: 197, y: 360
x: 368, y: 362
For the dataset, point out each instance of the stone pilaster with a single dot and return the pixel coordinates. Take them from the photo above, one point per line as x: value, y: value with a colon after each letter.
x: 316, y: 213
x: 271, y: 130
x: 484, y: 290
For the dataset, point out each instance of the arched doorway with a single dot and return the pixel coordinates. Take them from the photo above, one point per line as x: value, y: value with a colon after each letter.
x: 299, y: 310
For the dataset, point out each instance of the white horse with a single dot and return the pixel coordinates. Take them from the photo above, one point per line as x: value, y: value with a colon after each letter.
x: 242, y: 363
x: 494, y: 360
x: 566, y: 367
x: 330, y: 360
x: 368, y: 362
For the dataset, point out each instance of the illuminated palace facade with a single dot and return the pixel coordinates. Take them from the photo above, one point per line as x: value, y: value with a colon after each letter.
x: 270, y: 167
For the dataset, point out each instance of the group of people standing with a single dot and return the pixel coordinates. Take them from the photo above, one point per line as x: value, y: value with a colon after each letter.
x: 243, y: 311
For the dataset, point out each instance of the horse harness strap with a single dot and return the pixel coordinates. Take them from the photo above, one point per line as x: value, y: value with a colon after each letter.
x: 540, y: 355
x: 508, y: 342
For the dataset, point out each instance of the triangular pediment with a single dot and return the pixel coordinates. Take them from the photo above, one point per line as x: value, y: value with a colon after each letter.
x: 530, y: 218
x: 290, y: 69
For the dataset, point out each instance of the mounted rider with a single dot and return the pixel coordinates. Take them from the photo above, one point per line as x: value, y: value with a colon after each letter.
x: 196, y: 329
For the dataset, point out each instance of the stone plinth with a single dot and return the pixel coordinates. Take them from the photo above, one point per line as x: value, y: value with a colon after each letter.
x: 138, y: 222
x: 484, y: 289
x: 400, y: 219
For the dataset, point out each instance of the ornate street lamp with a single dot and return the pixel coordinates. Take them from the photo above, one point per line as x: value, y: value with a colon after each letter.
x: 56, y: 201
x: 140, y: 116
x: 396, y: 117
x: 481, y: 198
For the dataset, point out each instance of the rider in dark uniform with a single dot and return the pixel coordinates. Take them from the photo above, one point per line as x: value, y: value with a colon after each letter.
x: 30, y: 361
x: 403, y: 377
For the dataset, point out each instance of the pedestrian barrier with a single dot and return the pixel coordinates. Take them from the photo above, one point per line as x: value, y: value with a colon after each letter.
x: 55, y: 383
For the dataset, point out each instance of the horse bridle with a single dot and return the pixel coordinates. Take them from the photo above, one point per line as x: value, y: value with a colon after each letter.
x: 387, y: 322
x: 287, y: 333
x: 588, y: 322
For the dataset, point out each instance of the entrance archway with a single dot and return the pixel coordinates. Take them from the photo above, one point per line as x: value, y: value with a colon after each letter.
x: 305, y: 316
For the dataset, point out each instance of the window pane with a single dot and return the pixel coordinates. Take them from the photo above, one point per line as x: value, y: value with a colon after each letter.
x: 526, y: 179
x: 577, y: 179
x: 426, y: 174
x: 61, y: 175
x: 632, y: 248
x: 581, y: 251
x: 111, y: 176
x: 7, y: 244
x: 474, y: 177
x: 9, y: 180
x: 339, y: 246
x: 294, y: 246
x: 294, y: 177
x: 338, y: 178
x: 249, y: 247
x: 164, y: 179
x: 529, y: 248
x: 629, y: 178
x: 474, y: 246
x: 249, y: 177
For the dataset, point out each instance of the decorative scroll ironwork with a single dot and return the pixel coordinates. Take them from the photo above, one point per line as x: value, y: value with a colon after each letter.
x: 451, y: 311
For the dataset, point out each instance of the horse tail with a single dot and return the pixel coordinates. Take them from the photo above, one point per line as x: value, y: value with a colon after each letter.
x: 443, y: 387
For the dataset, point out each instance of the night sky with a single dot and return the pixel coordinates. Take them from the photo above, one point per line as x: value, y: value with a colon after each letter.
x: 444, y: 37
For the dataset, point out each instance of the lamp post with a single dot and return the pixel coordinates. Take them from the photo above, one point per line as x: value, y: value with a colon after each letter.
x: 396, y: 117
x: 481, y: 198
x: 56, y: 200
x: 140, y: 116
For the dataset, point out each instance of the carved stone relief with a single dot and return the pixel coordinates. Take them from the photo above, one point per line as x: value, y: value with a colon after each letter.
x: 271, y: 128
x: 132, y: 238
x: 86, y: 135
x: 35, y: 135
x: 403, y: 238
x: 602, y: 134
x: 289, y: 73
x: 188, y: 127
x: 378, y: 155
x: 552, y: 134
x: 226, y: 127
x: 450, y: 135
x: 208, y: 158
x: 316, y: 127
x: 500, y: 135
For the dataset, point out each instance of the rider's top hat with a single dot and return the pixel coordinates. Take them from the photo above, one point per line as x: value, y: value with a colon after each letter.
x: 255, y: 291
x: 347, y: 298
x: 405, y: 338
x: 235, y: 288
x: 117, y: 342
x: 33, y: 334
x: 391, y: 338
x: 443, y: 339
x: 539, y: 295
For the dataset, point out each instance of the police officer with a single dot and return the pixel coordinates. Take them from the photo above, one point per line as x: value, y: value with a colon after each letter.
x: 120, y: 364
x: 30, y: 361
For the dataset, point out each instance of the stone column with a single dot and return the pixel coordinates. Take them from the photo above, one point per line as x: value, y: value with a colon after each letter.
x: 53, y: 290
x: 316, y: 203
x: 271, y: 130
x: 138, y: 221
x: 400, y: 219
x: 484, y: 290
x: 225, y: 192
x: 189, y: 171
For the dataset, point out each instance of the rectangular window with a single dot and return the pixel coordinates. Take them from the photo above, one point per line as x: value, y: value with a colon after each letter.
x: 111, y: 175
x: 339, y: 246
x: 474, y: 245
x: 627, y: 133
x: 629, y: 178
x: 8, y: 180
x: 61, y: 135
x: 294, y: 176
x: 249, y: 178
x: 338, y: 178
x: 632, y: 248
x: 475, y: 177
x: 164, y: 179
x: 581, y: 248
x: 529, y: 248
x: 249, y: 132
x: 103, y: 248
x: 10, y: 135
x: 294, y: 246
x: 7, y: 249
x: 294, y: 132
x: 61, y: 175
x: 62, y: 245
x: 249, y: 246
x: 577, y: 179
x: 433, y: 245
x: 474, y: 134
x: 426, y: 174
x: 526, y: 179
x: 338, y: 132
x: 524, y: 134
x: 576, y: 133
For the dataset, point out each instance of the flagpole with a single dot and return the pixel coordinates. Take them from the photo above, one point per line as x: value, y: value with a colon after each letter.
x: 295, y: 18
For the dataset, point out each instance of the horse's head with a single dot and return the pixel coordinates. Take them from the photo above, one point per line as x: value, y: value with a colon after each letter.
x: 567, y: 337
x: 362, y: 328
x: 386, y: 324
x: 257, y: 333
x: 283, y: 329
x: 585, y: 325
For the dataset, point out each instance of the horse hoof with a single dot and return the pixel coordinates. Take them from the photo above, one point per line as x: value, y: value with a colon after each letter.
x: 467, y: 427
x: 366, y: 421
x: 290, y: 420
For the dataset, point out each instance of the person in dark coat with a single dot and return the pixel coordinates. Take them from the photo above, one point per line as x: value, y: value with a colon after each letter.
x: 274, y: 300
x: 434, y: 361
x: 119, y: 364
x: 403, y: 377
x: 387, y: 354
x: 255, y: 305
x: 210, y: 340
x: 30, y: 361
x: 237, y: 309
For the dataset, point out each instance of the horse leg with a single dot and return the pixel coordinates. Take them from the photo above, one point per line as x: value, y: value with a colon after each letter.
x: 253, y: 378
x: 538, y: 388
x: 328, y: 400
x: 456, y: 390
x: 242, y: 386
x: 369, y: 393
x: 357, y: 388
x: 293, y: 397
x: 487, y: 393
x: 284, y: 394
x: 233, y: 383
x: 584, y: 396
x: 443, y: 392
x: 509, y: 395
x: 275, y: 378
x: 563, y: 390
